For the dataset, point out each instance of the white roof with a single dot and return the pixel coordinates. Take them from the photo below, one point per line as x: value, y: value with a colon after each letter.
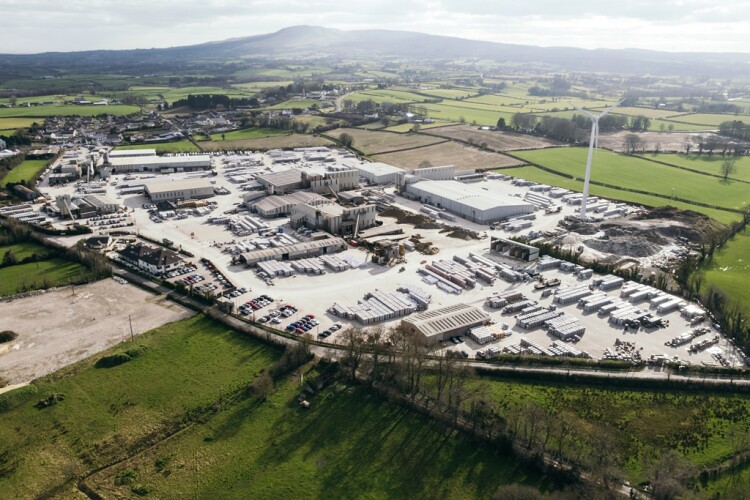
x: 122, y: 153
x: 470, y: 195
x: 378, y: 168
x: 161, y: 160
x: 179, y: 185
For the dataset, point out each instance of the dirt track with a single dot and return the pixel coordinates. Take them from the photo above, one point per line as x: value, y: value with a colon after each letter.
x: 59, y: 328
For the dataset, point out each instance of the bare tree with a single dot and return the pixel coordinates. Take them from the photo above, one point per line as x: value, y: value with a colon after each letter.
x: 728, y: 167
x: 668, y: 476
x: 355, y: 349
x: 687, y: 144
x: 632, y: 143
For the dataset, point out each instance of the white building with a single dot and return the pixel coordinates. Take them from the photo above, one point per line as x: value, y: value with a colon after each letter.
x: 164, y: 164
x: 131, y: 153
x: 276, y: 206
x: 468, y: 201
x: 187, y: 189
x: 378, y: 173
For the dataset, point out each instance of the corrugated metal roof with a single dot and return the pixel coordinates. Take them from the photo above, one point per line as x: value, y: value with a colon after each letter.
x: 272, y: 202
x: 466, y: 194
x: 297, y: 247
x: 179, y: 185
x: 448, y: 318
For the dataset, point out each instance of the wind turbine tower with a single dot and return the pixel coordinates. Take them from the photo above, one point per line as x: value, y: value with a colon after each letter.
x: 593, y: 143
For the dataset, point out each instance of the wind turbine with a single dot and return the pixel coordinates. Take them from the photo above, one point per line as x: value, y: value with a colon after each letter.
x: 593, y: 143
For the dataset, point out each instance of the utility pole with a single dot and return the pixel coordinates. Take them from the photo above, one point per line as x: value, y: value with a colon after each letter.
x: 131, y: 327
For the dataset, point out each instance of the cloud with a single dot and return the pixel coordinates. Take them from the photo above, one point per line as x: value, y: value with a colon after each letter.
x: 675, y: 25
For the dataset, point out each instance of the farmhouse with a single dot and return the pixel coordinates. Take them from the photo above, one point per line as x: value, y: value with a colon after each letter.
x: 187, y: 189
x: 153, y: 260
x: 439, y: 324
x: 468, y: 201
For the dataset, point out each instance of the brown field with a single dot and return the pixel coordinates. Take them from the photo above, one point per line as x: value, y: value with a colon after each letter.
x: 63, y: 326
x: 449, y: 153
x: 266, y: 143
x: 372, y: 142
x: 499, y: 141
x: 668, y: 142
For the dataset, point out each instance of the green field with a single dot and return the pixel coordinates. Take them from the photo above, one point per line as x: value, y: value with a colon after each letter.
x: 729, y: 270
x: 63, y: 110
x: 708, y: 119
x: 457, y: 114
x: 656, y: 126
x: 43, y: 274
x: 16, y: 123
x: 24, y: 172
x: 175, y: 94
x: 448, y: 93
x: 165, y: 147
x: 299, y: 103
x: 652, y: 113
x: 349, y: 444
x: 108, y: 411
x: 638, y: 173
x: 249, y: 133
x: 710, y: 164
x: 8, y: 132
x: 700, y: 426
x: 544, y: 177
x: 25, y: 249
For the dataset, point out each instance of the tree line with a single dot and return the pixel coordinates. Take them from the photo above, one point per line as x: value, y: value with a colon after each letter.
x: 212, y: 101
x: 576, y: 129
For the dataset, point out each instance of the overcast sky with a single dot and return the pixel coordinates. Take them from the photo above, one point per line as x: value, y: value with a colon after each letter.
x: 672, y: 25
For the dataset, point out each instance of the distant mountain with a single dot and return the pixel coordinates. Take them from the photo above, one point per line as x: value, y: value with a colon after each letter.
x: 314, y: 42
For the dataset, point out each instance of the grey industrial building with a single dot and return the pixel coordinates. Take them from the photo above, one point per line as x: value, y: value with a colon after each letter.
x: 333, y: 180
x: 282, y: 182
x: 445, y: 322
x: 163, y: 164
x: 468, y: 201
x: 442, y: 173
x: 335, y: 219
x: 187, y: 189
x: 277, y: 206
x: 378, y: 173
x: 131, y: 153
x: 85, y: 206
x: 295, y: 251
x: 513, y: 249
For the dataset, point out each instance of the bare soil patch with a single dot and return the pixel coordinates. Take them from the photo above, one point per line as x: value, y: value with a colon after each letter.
x: 64, y: 326
x: 497, y: 140
x: 373, y: 142
x: 450, y: 153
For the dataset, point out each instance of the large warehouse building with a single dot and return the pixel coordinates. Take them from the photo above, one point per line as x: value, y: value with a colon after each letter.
x: 163, y: 164
x: 131, y: 153
x: 187, y: 189
x: 335, y: 219
x: 469, y: 201
x: 378, y: 173
x: 445, y: 322
x: 277, y: 206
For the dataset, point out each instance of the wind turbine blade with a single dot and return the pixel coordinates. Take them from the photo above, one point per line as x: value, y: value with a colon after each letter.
x: 607, y: 110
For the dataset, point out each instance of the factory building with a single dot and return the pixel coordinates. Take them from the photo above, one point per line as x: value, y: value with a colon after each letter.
x: 131, y: 153
x: 277, y: 206
x: 445, y: 322
x: 85, y: 206
x: 334, y: 218
x: 187, y: 189
x: 378, y: 173
x: 283, y: 182
x: 513, y: 249
x: 337, y: 180
x: 296, y: 251
x: 443, y: 173
x: 161, y: 164
x: 468, y: 201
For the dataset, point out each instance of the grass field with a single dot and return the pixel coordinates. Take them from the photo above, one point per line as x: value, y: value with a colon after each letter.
x: 64, y: 110
x: 249, y: 133
x: 36, y: 275
x: 656, y: 126
x: 652, y: 113
x: 448, y: 93
x: 407, y: 127
x: 25, y: 249
x: 544, y: 177
x: 299, y: 103
x: 729, y: 270
x: 16, y: 123
x: 165, y: 147
x: 638, y: 173
x: 448, y: 112
x: 498, y: 140
x: 24, y: 172
x: 448, y: 153
x: 175, y: 94
x: 708, y: 119
x: 7, y: 132
x: 698, y: 426
x: 349, y: 444
x: 108, y: 411
x: 710, y: 164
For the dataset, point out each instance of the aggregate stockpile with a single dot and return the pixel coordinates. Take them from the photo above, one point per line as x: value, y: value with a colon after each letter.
x: 380, y: 306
